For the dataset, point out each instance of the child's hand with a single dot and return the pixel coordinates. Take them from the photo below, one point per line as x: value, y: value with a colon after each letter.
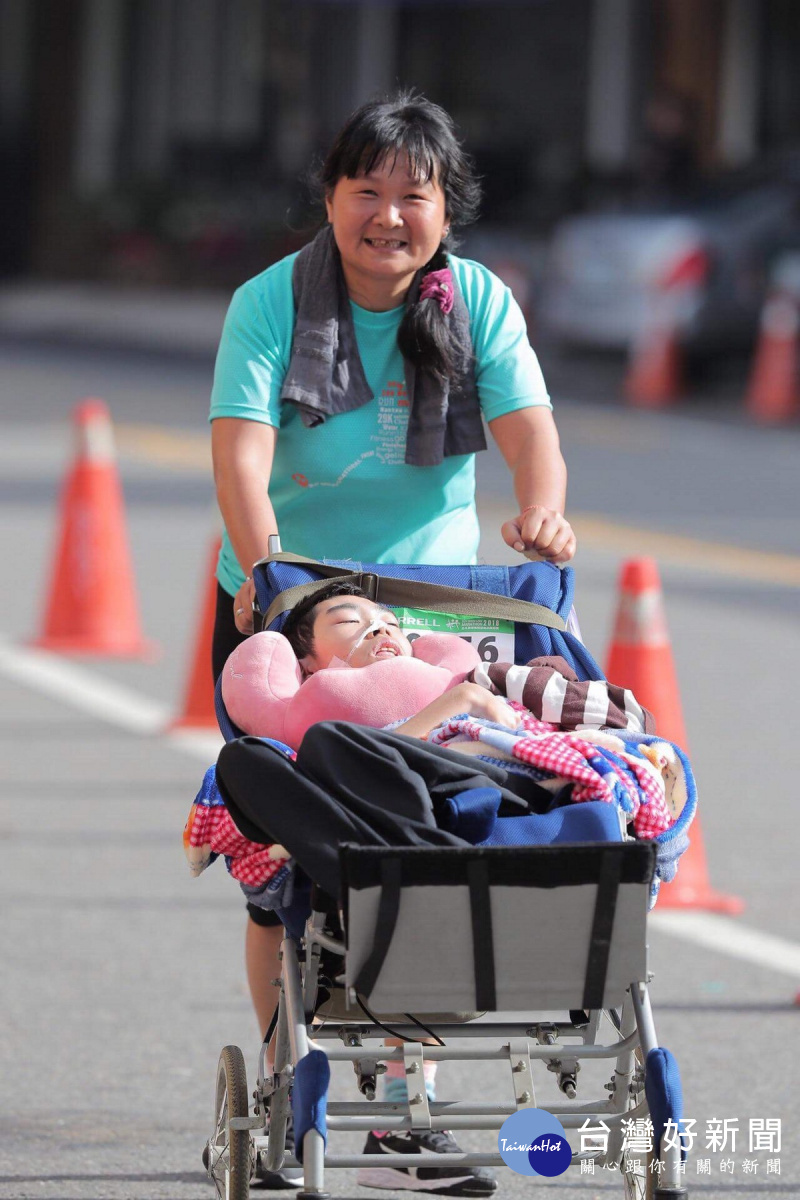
x: 544, y: 530
x: 468, y: 698
x: 480, y: 702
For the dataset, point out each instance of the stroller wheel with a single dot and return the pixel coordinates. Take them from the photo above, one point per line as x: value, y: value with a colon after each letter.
x: 638, y: 1182
x: 638, y: 1178
x: 228, y: 1155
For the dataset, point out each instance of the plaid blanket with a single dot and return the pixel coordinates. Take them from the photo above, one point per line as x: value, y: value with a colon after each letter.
x: 649, y: 778
x: 210, y: 832
x: 611, y: 770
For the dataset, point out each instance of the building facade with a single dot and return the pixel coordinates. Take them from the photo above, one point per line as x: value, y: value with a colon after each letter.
x: 167, y: 140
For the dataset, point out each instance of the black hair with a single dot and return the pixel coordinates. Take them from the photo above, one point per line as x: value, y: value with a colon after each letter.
x: 298, y: 628
x: 409, y: 124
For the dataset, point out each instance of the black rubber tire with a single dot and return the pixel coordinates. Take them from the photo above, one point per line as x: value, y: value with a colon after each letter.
x: 231, y: 1101
x: 640, y: 1186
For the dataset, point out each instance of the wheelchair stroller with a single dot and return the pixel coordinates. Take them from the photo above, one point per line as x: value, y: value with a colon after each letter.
x: 544, y: 967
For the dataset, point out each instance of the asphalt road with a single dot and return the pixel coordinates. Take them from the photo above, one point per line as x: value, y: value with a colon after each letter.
x: 122, y: 977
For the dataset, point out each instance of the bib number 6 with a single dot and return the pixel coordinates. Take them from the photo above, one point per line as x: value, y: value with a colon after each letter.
x: 487, y: 647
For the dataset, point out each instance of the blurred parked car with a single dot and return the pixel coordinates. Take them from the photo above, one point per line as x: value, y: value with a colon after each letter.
x: 707, y: 268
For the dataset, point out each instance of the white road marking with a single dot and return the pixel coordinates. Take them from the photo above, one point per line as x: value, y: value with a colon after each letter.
x: 63, y: 680
x: 204, y: 744
x: 727, y: 936
x: 117, y: 705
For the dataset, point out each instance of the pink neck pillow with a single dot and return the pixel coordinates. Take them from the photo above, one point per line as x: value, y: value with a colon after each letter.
x: 265, y: 694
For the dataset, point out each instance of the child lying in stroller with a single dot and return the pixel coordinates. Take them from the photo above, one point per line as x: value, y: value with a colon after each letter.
x: 342, y: 657
x: 286, y: 682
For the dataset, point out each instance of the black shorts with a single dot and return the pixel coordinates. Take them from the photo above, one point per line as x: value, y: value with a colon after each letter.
x: 226, y: 638
x: 263, y: 916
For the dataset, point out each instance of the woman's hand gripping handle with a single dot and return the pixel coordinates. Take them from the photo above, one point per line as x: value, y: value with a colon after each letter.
x: 243, y: 606
x: 540, y: 532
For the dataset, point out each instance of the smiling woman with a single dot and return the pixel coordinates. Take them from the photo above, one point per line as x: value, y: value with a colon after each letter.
x: 387, y: 225
x: 351, y: 387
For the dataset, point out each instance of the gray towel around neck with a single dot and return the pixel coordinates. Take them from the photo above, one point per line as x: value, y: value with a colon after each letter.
x: 326, y: 376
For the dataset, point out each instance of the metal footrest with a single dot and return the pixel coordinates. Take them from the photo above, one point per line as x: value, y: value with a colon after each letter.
x: 383, y: 1160
x: 570, y: 1118
x: 419, y: 1160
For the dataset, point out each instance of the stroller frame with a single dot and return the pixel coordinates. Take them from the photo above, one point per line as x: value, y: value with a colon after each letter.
x: 528, y: 1043
x: 559, y: 1045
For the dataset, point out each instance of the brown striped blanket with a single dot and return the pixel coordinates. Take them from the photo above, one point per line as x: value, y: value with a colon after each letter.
x: 550, y: 689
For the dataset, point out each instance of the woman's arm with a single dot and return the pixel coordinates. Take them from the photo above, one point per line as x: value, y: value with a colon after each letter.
x: 468, y: 698
x: 242, y: 453
x: 528, y: 441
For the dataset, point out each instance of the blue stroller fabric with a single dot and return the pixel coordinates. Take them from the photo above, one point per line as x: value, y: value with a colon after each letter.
x: 473, y: 815
x: 537, y: 582
x: 226, y: 726
x: 310, y: 1098
x: 670, y: 844
x: 664, y: 1091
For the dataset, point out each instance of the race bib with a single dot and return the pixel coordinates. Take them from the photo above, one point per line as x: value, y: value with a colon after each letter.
x: 492, y: 638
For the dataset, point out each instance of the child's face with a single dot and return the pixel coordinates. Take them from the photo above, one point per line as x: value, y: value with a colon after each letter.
x: 356, y: 630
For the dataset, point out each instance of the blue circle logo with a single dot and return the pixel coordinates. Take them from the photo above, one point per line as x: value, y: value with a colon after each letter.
x: 532, y: 1142
x: 550, y: 1154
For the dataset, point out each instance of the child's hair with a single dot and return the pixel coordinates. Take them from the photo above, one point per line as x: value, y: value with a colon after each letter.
x: 409, y: 124
x: 298, y: 628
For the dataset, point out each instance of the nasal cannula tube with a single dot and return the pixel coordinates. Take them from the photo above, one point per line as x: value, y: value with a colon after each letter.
x: 373, y: 628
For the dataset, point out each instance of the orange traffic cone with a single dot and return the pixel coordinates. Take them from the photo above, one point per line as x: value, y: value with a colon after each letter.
x: 655, y: 372
x: 198, y: 703
x: 640, y: 658
x: 92, y: 606
x: 773, y: 392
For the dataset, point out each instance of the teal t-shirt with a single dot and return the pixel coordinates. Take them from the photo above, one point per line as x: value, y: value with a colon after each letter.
x: 343, y: 489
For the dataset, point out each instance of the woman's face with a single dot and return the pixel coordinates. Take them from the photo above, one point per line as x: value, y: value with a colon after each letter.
x: 387, y: 225
x: 355, y: 630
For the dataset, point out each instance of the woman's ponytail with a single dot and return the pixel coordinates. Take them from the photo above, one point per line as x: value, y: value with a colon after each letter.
x: 425, y: 336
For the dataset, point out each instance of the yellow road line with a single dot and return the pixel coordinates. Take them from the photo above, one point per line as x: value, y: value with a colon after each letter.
x: 190, y: 450
x: 714, y: 558
x: 737, y: 562
x: 185, y: 449
x: 612, y: 429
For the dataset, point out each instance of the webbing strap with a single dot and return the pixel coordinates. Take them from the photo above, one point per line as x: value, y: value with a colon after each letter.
x: 482, y: 939
x: 385, y: 922
x: 412, y: 593
x: 605, y: 907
